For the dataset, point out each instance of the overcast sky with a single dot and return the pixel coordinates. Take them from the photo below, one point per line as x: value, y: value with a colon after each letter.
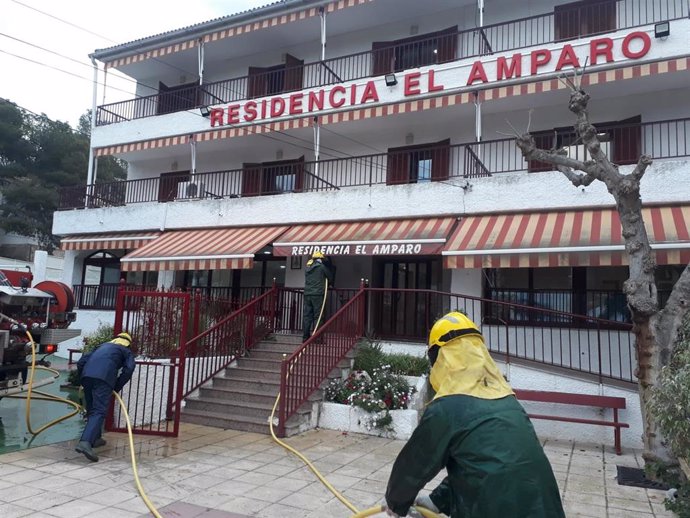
x: 65, y: 97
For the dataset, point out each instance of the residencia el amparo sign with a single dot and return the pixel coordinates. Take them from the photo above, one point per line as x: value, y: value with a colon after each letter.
x: 598, y: 51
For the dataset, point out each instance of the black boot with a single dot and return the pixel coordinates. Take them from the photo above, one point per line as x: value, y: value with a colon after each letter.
x: 85, y: 448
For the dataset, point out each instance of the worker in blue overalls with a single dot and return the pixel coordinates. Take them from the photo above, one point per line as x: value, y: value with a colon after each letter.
x: 108, y: 368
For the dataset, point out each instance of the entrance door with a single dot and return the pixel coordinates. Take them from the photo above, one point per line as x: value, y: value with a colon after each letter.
x: 400, y: 312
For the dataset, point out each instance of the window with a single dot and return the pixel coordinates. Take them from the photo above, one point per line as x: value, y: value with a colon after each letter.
x: 287, y: 77
x: 177, y: 98
x: 621, y: 141
x: 418, y: 164
x: 592, y: 291
x: 168, y: 184
x: 273, y: 177
x: 584, y: 18
x: 418, y: 51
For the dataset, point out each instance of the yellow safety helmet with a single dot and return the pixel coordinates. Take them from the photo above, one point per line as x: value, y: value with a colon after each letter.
x: 125, y: 336
x: 317, y: 255
x: 451, y: 326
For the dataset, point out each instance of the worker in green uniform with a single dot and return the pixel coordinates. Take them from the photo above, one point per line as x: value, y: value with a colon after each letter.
x: 475, y: 429
x: 316, y: 274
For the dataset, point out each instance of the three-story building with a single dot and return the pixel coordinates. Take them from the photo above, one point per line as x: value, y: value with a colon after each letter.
x: 379, y: 131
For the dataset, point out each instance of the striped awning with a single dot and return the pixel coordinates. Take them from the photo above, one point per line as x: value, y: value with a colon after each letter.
x: 111, y: 241
x: 564, y: 238
x: 209, y: 249
x: 394, y: 237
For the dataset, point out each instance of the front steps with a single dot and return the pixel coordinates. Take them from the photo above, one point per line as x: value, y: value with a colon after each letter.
x: 241, y: 397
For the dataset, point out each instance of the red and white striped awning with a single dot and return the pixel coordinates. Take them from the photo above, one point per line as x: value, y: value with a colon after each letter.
x: 111, y: 241
x: 564, y: 238
x: 209, y: 249
x: 393, y: 237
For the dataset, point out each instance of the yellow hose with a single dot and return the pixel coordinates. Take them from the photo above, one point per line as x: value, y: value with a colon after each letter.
x: 358, y: 514
x: 140, y: 488
x: 51, y: 397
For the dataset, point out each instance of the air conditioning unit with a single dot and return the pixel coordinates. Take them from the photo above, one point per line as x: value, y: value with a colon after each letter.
x: 190, y: 190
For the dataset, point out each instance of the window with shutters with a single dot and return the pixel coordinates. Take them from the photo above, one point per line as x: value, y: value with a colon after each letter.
x: 582, y: 18
x: 415, y: 52
x: 418, y: 164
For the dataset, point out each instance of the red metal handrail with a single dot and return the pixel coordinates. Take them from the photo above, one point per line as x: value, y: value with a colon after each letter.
x: 304, y: 371
x: 214, y: 349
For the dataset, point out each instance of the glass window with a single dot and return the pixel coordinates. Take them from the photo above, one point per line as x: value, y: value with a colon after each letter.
x: 420, y: 166
x: 285, y: 182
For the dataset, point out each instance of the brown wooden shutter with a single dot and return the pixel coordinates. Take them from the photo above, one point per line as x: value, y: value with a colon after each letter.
x: 566, y: 20
x: 447, y: 44
x: 383, y: 55
x: 298, y: 168
x: 251, y: 179
x: 440, y: 161
x: 398, y: 167
x: 257, y: 82
x: 294, y: 73
x: 543, y: 141
x: 167, y: 184
x: 627, y: 141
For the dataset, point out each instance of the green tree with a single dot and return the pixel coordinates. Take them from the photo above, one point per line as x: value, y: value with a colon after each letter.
x: 37, y: 157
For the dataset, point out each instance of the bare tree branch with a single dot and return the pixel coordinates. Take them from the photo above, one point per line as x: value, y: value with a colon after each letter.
x: 642, y: 164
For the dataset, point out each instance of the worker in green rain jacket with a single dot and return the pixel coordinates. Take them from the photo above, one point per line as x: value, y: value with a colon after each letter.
x: 478, y: 432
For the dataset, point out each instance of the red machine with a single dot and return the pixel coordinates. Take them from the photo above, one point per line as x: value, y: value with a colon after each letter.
x: 46, y: 310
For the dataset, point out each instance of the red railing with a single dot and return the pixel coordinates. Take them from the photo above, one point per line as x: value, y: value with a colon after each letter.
x: 658, y: 139
x: 304, y: 371
x: 157, y: 322
x: 230, y: 338
x: 566, y: 23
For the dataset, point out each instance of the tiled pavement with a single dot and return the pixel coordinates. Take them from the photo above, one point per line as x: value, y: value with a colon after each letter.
x: 212, y: 473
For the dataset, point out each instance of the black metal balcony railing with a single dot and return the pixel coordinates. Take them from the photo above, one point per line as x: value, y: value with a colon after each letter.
x: 562, y: 24
x: 660, y: 140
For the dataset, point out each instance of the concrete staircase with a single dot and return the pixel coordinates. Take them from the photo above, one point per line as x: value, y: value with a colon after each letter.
x: 241, y: 397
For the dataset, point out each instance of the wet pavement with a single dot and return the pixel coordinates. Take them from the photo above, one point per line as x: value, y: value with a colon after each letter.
x: 14, y: 434
x: 212, y: 473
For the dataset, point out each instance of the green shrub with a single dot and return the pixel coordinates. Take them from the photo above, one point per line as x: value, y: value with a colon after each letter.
x: 370, y: 356
x: 103, y: 333
x: 671, y: 410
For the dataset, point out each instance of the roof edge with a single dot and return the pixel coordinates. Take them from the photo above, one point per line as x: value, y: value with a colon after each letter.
x: 198, y: 30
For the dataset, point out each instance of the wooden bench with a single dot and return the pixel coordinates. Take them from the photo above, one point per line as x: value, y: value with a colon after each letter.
x: 564, y: 398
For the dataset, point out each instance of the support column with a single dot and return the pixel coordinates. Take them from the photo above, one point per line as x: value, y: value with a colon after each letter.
x: 317, y: 145
x: 40, y: 268
x: 322, y: 15
x: 94, y: 109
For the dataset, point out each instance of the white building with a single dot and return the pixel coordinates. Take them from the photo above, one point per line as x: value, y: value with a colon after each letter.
x: 376, y: 129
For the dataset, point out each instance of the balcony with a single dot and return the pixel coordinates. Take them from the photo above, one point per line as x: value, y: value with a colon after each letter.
x: 565, y: 23
x: 439, y: 162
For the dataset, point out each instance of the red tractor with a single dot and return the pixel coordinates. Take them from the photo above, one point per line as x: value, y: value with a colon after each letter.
x: 46, y: 310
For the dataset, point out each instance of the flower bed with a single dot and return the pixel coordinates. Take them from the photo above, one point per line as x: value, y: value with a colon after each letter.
x: 383, y: 404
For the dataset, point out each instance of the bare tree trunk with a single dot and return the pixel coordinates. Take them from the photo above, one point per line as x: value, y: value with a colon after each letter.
x: 655, y: 332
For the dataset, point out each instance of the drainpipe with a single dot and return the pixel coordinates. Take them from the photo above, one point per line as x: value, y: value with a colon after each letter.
x: 322, y: 14
x: 480, y: 8
x: 200, y: 55
x: 477, y: 117
x: 317, y: 144
x: 94, y: 102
